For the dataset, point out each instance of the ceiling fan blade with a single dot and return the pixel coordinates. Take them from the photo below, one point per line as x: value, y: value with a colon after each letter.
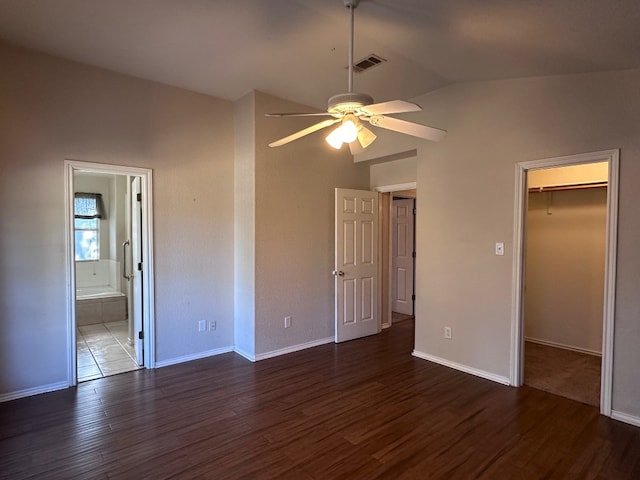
x: 410, y: 128
x: 318, y: 114
x: 395, y: 106
x: 306, y: 131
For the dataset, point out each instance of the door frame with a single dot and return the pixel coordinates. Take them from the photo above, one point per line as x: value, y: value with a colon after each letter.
x: 390, y: 189
x: 516, y: 370
x: 148, y: 321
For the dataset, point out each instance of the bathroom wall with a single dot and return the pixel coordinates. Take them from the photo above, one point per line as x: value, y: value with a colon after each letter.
x: 113, y: 231
x: 98, y: 273
x: 101, y: 184
x: 118, y: 222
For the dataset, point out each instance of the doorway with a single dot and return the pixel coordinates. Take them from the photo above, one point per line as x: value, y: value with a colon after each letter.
x: 548, y: 331
x: 397, y: 252
x: 109, y: 270
x: 403, y: 215
x: 565, y: 232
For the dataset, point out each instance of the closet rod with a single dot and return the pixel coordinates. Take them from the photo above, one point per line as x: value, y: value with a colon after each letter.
x: 575, y: 186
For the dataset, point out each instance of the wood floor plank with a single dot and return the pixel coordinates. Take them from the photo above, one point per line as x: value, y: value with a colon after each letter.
x: 365, y: 409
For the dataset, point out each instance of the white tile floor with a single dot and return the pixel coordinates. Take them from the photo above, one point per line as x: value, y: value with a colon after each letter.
x: 103, y: 350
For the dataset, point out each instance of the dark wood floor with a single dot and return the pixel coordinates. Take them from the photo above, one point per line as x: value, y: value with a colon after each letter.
x: 361, y: 410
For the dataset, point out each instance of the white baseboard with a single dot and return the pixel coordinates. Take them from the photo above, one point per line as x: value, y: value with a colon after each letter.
x: 623, y: 417
x: 195, y: 356
x: 294, y: 348
x: 563, y: 346
x: 5, y: 397
x: 244, y: 354
x: 463, y: 368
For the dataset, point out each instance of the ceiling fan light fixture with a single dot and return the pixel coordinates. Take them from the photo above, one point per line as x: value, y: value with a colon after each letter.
x: 366, y: 137
x: 335, y: 139
x: 347, y: 132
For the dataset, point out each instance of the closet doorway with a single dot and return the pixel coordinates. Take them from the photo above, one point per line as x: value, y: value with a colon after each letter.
x: 564, y: 273
x: 565, y: 248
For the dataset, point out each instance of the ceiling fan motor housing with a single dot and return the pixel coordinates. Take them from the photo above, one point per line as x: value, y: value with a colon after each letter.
x: 344, y: 103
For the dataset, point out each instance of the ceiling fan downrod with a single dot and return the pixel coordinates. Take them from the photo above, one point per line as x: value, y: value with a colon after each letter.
x: 349, y: 102
x: 351, y: 5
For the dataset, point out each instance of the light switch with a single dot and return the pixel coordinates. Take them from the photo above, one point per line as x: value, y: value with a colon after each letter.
x: 500, y: 248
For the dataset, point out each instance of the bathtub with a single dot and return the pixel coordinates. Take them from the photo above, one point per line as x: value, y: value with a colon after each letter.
x: 100, y: 291
x: 98, y: 297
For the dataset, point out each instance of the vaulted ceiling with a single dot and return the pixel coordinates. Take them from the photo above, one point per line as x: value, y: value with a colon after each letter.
x: 297, y: 49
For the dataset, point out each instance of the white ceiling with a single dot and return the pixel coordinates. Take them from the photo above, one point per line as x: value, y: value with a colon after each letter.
x: 297, y: 49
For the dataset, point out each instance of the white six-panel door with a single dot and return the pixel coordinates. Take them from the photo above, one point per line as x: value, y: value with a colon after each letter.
x: 402, y: 256
x: 356, y: 264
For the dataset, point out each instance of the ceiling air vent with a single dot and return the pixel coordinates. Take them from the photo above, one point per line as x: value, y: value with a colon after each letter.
x: 367, y: 63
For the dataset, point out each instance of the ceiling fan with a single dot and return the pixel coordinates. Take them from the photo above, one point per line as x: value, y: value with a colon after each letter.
x: 352, y: 109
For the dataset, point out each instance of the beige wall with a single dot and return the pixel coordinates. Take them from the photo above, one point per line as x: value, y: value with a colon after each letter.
x: 53, y: 110
x: 566, y: 233
x: 466, y: 204
x: 394, y: 172
x: 294, y: 227
x: 244, y: 223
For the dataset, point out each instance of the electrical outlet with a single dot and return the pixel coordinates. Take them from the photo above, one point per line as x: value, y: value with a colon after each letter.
x: 202, y: 326
x: 447, y: 333
x: 287, y: 321
x: 212, y: 326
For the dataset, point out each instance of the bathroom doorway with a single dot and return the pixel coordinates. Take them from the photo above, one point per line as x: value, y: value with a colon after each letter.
x: 109, y: 270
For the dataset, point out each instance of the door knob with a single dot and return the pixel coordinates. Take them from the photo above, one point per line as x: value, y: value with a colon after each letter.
x: 338, y: 273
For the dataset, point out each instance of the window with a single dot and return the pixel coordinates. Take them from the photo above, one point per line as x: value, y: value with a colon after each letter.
x: 87, y: 211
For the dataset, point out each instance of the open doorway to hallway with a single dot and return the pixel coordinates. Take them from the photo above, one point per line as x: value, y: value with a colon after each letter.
x: 397, y: 253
